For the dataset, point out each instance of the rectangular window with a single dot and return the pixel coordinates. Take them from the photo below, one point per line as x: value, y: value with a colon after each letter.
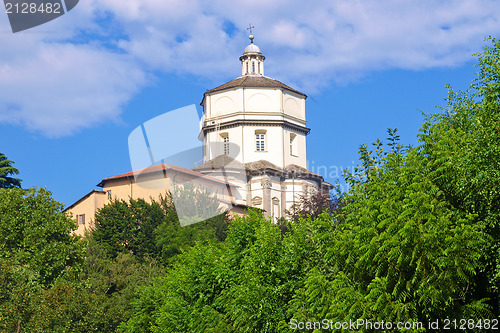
x: 108, y: 194
x: 293, y: 144
x: 226, y: 144
x: 80, y: 219
x: 260, y: 139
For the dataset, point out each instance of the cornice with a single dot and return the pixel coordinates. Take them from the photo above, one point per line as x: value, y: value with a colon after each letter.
x: 262, y: 123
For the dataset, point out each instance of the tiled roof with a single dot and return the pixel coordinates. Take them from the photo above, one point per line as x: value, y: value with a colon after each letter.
x: 254, y: 81
x: 262, y: 164
x: 299, y: 169
x: 224, y: 161
x: 164, y: 167
x: 219, y: 162
x: 303, y: 171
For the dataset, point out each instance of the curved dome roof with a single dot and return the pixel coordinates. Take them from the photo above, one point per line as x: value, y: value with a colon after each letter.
x: 253, y: 82
x: 252, y: 48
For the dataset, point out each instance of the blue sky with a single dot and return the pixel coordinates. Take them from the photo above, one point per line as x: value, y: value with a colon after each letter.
x: 72, y: 90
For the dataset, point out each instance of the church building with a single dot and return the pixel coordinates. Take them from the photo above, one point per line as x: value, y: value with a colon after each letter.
x: 260, y: 125
x: 254, y: 135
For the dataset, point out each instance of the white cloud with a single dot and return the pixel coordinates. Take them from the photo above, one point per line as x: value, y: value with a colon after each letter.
x: 51, y: 84
x: 100, y: 54
x: 59, y: 89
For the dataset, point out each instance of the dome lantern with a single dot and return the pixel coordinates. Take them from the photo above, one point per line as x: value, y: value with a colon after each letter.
x: 252, y: 60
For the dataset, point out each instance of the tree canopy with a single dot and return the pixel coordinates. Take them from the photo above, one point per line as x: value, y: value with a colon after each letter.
x: 415, y: 239
x: 37, y: 250
x: 36, y: 233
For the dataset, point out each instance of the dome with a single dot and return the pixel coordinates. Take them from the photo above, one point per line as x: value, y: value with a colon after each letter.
x: 252, y: 48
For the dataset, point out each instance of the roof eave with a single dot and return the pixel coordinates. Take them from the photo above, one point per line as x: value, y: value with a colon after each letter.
x: 215, y: 90
x: 206, y: 177
x: 81, y: 199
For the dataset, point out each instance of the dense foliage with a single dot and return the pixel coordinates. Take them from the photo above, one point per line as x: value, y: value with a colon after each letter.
x: 416, y: 240
x: 312, y: 203
x: 36, y: 234
x: 37, y: 251
x: 54, y: 281
x: 152, y: 229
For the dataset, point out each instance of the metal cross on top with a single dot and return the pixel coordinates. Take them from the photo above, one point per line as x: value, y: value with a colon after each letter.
x: 250, y: 27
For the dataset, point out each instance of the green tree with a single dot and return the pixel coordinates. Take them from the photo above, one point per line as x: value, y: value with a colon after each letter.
x: 185, y: 300
x: 19, y: 290
x: 194, y: 204
x: 36, y: 233
x: 37, y: 250
x: 462, y: 149
x: 173, y: 238
x: 418, y: 238
x: 69, y: 307
x: 153, y: 229
x: 6, y: 171
x: 96, y: 300
x: 242, y: 284
x: 128, y: 227
x: 400, y: 243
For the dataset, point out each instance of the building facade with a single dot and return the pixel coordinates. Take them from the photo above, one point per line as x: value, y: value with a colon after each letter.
x: 148, y: 184
x: 254, y: 133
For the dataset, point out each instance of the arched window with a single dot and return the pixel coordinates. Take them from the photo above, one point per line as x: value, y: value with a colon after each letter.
x: 253, y: 67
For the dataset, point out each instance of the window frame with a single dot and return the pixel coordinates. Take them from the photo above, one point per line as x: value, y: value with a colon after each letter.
x: 293, y: 145
x: 225, y: 141
x: 260, y: 141
x: 80, y: 219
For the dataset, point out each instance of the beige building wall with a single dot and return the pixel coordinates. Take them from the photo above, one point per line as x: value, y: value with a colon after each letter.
x: 83, y: 211
x: 146, y: 186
